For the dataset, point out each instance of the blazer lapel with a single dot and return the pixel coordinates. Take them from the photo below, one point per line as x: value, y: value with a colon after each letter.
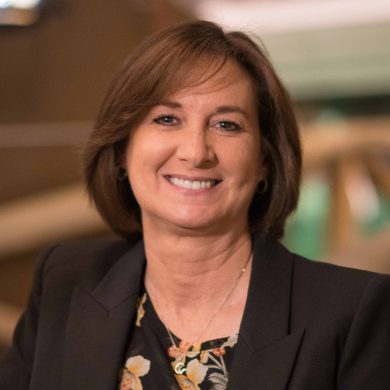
x: 99, y: 324
x: 266, y: 350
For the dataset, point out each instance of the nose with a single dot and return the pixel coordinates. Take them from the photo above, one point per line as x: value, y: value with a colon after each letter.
x: 195, y: 147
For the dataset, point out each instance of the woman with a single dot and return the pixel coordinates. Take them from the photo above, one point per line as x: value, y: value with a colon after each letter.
x: 197, y: 147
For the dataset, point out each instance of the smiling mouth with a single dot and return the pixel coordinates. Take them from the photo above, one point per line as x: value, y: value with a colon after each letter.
x: 192, y: 184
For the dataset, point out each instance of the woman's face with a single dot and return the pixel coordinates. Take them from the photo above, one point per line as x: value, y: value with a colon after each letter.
x: 194, y: 162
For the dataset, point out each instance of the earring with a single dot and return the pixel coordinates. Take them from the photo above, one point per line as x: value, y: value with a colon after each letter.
x: 121, y: 174
x: 262, y: 186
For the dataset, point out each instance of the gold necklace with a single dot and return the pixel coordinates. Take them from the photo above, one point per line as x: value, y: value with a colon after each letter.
x: 180, y: 366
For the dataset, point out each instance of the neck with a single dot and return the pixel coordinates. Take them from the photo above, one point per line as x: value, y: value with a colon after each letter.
x: 177, y: 262
x: 190, y: 275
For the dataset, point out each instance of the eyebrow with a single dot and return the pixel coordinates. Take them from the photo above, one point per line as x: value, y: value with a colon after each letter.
x: 227, y: 109
x: 219, y: 110
x: 169, y: 104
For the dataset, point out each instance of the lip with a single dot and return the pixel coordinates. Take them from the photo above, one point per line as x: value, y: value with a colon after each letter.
x: 185, y: 190
x: 193, y: 178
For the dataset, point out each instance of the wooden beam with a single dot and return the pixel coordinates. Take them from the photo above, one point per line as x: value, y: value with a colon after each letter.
x: 47, y: 134
x: 369, y: 253
x: 32, y: 222
x: 323, y: 143
x: 342, y: 226
x: 9, y: 315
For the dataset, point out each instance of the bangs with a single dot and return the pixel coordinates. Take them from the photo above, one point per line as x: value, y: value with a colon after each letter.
x: 183, y: 73
x: 160, y: 67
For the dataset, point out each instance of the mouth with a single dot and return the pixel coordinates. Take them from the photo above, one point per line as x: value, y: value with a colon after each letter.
x: 192, y: 184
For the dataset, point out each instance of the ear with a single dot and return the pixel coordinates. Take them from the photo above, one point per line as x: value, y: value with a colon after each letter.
x: 122, y: 153
x: 262, y: 177
x: 121, y: 174
x: 262, y: 173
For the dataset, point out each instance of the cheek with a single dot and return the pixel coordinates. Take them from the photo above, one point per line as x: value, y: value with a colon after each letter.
x: 247, y: 163
x: 135, y: 160
x: 146, y: 154
x: 138, y: 149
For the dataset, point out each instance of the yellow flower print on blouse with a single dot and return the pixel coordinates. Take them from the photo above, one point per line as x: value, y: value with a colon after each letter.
x: 195, y: 374
x: 135, y: 367
x: 202, y: 360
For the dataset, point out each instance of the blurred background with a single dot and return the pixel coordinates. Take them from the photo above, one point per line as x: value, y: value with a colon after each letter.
x: 57, y: 57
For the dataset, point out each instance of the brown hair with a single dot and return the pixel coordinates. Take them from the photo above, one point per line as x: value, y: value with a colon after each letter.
x: 173, y: 59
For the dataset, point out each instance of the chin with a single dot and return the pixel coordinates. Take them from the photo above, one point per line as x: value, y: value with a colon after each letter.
x: 189, y: 218
x: 193, y: 224
x: 199, y: 223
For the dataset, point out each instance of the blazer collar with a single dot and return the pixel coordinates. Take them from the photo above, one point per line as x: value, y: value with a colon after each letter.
x: 99, y: 323
x: 123, y: 280
x: 266, y: 350
x: 268, y: 296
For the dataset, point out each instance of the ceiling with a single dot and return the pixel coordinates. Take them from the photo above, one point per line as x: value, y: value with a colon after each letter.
x: 321, y: 48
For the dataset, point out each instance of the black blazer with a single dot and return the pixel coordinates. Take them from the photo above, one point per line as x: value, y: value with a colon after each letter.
x: 306, y: 325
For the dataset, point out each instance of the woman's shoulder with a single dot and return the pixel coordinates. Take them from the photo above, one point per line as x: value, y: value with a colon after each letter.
x: 333, y: 273
x: 314, y: 275
x: 337, y: 286
x: 87, y: 260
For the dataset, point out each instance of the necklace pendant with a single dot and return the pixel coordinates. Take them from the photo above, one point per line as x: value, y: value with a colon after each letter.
x: 180, y: 368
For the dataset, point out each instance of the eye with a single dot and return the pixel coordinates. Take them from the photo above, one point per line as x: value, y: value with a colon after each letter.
x: 167, y: 120
x: 227, y: 125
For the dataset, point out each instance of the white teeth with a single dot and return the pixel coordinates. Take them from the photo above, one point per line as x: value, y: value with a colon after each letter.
x: 192, y: 185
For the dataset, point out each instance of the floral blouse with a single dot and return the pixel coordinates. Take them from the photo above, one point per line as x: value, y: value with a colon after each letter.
x: 151, y: 358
